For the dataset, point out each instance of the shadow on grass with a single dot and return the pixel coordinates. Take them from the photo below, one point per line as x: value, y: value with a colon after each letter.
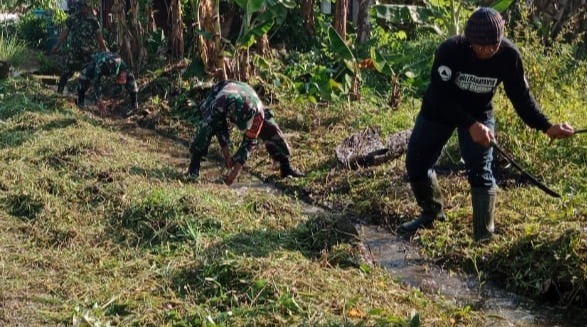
x: 218, y: 278
x: 18, y: 135
x: 163, y: 174
x: 23, y: 206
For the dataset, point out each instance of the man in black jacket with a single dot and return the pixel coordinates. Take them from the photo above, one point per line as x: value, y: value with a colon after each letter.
x: 466, y: 72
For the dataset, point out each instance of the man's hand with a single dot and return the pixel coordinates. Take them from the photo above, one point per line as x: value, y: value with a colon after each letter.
x: 560, y: 131
x: 102, y: 107
x: 234, y: 173
x: 227, y: 159
x: 481, y: 134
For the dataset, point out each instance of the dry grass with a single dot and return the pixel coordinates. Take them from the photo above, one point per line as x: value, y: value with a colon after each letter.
x: 99, y: 227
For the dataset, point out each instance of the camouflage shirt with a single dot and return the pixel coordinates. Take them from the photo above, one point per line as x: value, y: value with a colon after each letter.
x: 82, y: 33
x: 238, y: 103
x: 107, y: 64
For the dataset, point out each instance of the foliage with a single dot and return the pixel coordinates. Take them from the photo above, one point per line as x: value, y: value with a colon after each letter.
x: 445, y: 17
x: 155, y: 40
x: 40, y: 30
x: 33, y: 30
x: 12, y: 50
x: 255, y: 25
x: 290, y: 35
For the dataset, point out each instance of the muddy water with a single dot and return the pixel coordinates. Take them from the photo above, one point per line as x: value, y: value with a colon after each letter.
x: 401, y: 258
x: 405, y: 263
x: 501, y: 308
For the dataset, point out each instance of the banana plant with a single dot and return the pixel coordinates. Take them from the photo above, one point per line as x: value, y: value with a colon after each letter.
x: 342, y: 50
x: 259, y: 18
x: 271, y: 11
x: 442, y: 16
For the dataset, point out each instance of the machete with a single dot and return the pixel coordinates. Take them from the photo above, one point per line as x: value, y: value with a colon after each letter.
x: 532, y: 179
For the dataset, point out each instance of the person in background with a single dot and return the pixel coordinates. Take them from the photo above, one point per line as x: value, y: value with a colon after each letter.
x: 466, y: 72
x: 82, y: 31
x: 237, y: 103
x: 107, y: 64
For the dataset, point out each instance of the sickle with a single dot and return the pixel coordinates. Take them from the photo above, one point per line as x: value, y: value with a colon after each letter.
x: 532, y: 179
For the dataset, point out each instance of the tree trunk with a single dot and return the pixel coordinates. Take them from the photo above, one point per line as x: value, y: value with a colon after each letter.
x: 557, y: 13
x: 211, y: 52
x: 136, y: 36
x: 200, y: 8
x: 308, y: 16
x: 364, y: 28
x: 263, y: 46
x: 340, y: 13
x: 119, y: 29
x: 177, y: 44
x: 220, y: 71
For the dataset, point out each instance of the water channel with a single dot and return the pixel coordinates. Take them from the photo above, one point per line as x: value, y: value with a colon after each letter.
x: 401, y: 258
x: 406, y: 264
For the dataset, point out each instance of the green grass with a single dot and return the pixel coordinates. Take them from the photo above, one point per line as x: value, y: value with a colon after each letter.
x: 12, y: 50
x: 99, y: 227
x: 540, y: 248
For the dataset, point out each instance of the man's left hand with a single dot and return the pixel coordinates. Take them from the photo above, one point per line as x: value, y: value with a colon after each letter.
x: 560, y: 131
x: 102, y: 107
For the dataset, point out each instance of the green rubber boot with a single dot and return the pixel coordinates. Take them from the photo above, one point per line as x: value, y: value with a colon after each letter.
x: 483, y: 213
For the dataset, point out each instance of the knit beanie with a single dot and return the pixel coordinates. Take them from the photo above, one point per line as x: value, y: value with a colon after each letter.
x: 484, y: 27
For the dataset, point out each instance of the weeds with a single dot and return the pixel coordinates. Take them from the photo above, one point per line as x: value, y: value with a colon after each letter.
x: 99, y: 228
x: 12, y: 50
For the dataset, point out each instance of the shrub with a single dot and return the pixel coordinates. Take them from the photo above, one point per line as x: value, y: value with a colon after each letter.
x: 12, y: 50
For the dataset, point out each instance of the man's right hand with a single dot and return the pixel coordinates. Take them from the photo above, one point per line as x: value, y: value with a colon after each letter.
x: 481, y: 134
x: 233, y: 174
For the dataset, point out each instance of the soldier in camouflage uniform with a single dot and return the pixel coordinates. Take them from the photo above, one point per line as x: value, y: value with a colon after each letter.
x: 107, y: 64
x: 237, y: 103
x: 81, y: 30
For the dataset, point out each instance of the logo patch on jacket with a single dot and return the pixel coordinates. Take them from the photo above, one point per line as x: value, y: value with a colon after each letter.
x: 476, y: 84
x: 445, y: 73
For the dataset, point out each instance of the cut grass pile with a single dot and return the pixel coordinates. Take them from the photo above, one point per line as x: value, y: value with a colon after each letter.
x: 100, y: 227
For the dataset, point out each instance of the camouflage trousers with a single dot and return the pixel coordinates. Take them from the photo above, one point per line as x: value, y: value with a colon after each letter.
x: 271, y: 135
x: 73, y: 61
x: 88, y: 74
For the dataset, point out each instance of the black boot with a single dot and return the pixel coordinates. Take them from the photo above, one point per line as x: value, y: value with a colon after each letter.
x: 81, y: 99
x: 429, y: 198
x: 194, y: 168
x: 134, y: 102
x: 483, y: 213
x: 287, y: 169
x: 62, y: 83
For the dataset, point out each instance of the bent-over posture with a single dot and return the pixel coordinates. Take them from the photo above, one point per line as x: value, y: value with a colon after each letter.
x: 107, y: 64
x: 237, y: 103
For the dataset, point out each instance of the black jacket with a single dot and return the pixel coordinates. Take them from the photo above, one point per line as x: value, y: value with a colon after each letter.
x: 462, y: 86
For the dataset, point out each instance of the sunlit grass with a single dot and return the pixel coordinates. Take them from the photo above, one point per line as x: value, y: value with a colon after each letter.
x: 12, y: 50
x: 100, y: 227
